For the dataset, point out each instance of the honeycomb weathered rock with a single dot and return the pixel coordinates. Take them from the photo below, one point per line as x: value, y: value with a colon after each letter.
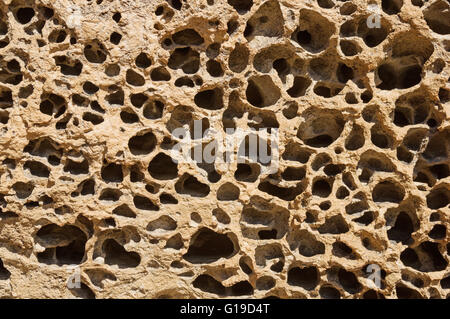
x: 93, y: 91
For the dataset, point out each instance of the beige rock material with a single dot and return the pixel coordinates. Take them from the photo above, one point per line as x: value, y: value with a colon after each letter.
x: 92, y: 204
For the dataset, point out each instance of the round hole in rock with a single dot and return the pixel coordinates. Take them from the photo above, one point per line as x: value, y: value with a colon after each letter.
x: 344, y: 73
x: 142, y: 202
x: 213, y: 50
x: 117, y: 16
x: 188, y: 184
x: 208, y: 284
x: 391, y: 6
x: 326, y: 4
x: 241, y: 6
x: 293, y: 173
x: 366, y: 96
x: 24, y: 15
x: 112, y: 70
x: 228, y: 192
x: 402, y: 229
x: 406, y: 293
x: 348, y: 8
x: 342, y: 192
x: 69, y: 241
x: 37, y: 168
x: 142, y: 144
x: 153, y: 110
x: 321, y: 131
x: 161, y: 225
x: 95, y: 52
x: 163, y: 167
x: 350, y: 98
x: 221, y: 216
x: 160, y: 74
x: 307, y: 278
x: 143, y: 61
x: 349, y: 48
x: 208, y: 246
x: 437, y: 16
x: 329, y: 292
x: 214, y: 68
x: 325, y: 205
x: 112, y: 173
x: 265, y: 283
x: 261, y: 91
x: 90, y: 88
x: 334, y: 225
x: 304, y: 37
x: 247, y: 172
x: 349, y: 281
x: 196, y: 217
x: 209, y: 99
x: 134, y: 78
x: 187, y: 37
x: 445, y: 283
x: 115, y: 38
x: 238, y: 59
x: 115, y: 254
x: 299, y: 86
x: 438, y: 232
x: 388, y: 191
x: 379, y: 139
x: 129, y: 117
x: 321, y: 188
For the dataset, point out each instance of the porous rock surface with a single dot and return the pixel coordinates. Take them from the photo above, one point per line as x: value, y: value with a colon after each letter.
x: 92, y: 90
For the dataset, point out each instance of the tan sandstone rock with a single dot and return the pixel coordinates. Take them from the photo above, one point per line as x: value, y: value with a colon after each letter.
x: 351, y: 96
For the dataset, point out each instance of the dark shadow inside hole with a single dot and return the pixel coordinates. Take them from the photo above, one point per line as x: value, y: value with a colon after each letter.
x: 320, y: 141
x: 142, y: 144
x: 321, y: 188
x: 142, y: 202
x: 402, y: 229
x: 115, y: 254
x: 206, y: 283
x: 304, y: 37
x: 129, y: 117
x: 143, y: 61
x: 267, y: 234
x: 299, y: 86
x: 4, y: 273
x: 24, y: 15
x: 253, y: 94
x: 349, y: 281
x: 208, y: 246
x: 163, y: 167
x: 391, y: 6
x: 112, y: 173
x: 307, y: 278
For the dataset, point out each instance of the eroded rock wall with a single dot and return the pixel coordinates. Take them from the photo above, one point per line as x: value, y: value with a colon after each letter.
x: 92, y: 91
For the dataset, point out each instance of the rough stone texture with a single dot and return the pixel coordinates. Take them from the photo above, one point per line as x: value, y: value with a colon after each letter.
x: 91, y: 90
